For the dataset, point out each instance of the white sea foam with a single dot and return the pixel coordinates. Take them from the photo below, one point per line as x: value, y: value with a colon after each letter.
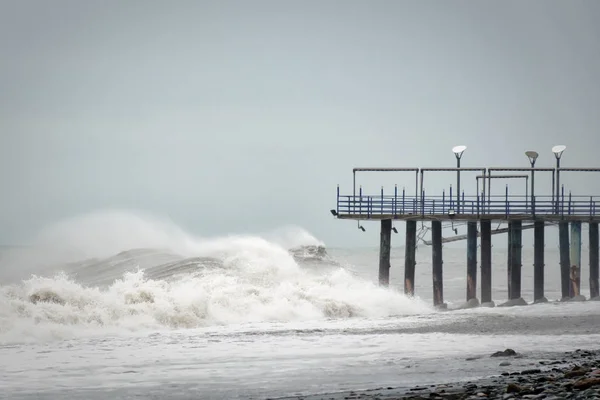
x: 251, y: 280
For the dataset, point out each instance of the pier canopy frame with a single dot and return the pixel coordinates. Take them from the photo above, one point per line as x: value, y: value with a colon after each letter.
x: 468, y: 169
x: 484, y: 177
x: 360, y: 206
x: 580, y: 169
x: 379, y: 169
x: 512, y: 169
x: 385, y: 169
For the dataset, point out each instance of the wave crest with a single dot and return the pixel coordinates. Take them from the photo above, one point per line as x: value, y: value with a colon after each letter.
x: 165, y: 279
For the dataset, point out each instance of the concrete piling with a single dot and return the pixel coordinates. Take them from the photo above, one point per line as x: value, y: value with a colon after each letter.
x: 410, y: 258
x: 593, y: 232
x: 515, y: 238
x: 509, y: 268
x: 516, y: 260
x: 486, y: 262
x: 437, y: 264
x: 384, y: 252
x: 565, y: 263
x: 471, y: 261
x: 575, y: 270
x: 538, y: 262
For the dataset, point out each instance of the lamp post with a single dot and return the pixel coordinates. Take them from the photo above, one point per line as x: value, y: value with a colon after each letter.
x: 458, y: 152
x: 532, y: 155
x: 558, y: 150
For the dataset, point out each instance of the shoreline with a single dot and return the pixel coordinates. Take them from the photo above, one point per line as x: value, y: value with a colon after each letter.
x: 568, y: 375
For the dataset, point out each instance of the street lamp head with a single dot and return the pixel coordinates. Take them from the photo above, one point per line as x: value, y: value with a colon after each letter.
x: 558, y: 150
x: 532, y: 155
x: 458, y: 151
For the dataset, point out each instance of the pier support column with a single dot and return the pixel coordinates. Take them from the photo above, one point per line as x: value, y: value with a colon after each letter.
x: 437, y: 264
x: 409, y: 258
x: 594, y: 264
x: 509, y: 268
x: 575, y: 270
x: 486, y: 263
x: 515, y: 238
x: 565, y: 263
x: 472, y: 264
x: 509, y: 259
x: 538, y: 262
x: 384, y: 252
x: 516, y: 260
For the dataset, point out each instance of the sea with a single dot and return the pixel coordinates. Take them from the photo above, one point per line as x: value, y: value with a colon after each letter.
x: 123, y: 306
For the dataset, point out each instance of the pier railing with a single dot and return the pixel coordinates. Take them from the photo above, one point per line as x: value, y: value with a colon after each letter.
x: 363, y: 206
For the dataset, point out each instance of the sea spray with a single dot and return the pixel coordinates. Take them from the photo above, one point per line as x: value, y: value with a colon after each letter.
x: 206, y: 297
x: 176, y: 281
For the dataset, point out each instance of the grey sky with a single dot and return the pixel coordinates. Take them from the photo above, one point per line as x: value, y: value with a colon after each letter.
x: 243, y: 116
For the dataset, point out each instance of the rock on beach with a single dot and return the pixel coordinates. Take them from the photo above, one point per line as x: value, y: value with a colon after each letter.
x: 574, y: 375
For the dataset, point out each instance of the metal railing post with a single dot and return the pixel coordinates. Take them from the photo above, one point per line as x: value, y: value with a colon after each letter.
x: 360, y: 202
x: 337, y: 206
x: 444, y: 201
x: 395, y: 207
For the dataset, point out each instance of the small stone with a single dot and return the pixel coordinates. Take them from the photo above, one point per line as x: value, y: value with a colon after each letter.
x: 576, y: 371
x: 505, y: 353
x: 513, y: 388
x: 531, y: 371
x: 481, y: 394
x: 590, y: 393
x: 504, y: 364
x: 586, y: 383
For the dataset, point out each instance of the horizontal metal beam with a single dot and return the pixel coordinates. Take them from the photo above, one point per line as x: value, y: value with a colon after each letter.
x: 501, y: 176
x: 452, y: 169
x: 469, y: 217
x: 579, y: 169
x: 494, y: 169
x: 506, y: 169
x: 384, y: 169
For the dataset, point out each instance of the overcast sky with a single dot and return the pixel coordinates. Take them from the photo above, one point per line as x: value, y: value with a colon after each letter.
x: 244, y: 116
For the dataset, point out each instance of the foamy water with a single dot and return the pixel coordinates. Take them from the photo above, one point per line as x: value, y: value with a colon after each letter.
x: 120, y: 304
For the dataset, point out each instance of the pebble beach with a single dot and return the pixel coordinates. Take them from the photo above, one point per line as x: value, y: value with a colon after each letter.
x: 572, y: 375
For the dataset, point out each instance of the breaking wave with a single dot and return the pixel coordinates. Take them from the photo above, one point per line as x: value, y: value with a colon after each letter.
x: 166, y: 279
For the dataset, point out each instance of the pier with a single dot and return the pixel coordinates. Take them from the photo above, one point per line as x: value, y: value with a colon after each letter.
x: 526, y: 209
